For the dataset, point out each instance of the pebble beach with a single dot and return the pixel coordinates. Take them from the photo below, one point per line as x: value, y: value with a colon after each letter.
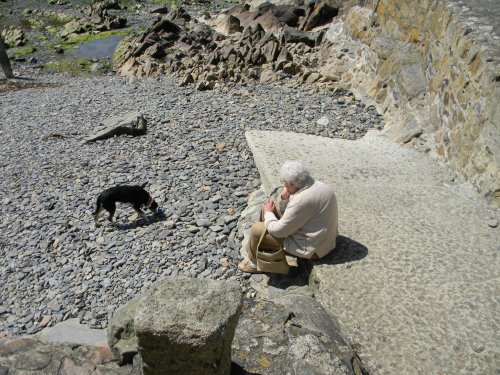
x: 55, y: 264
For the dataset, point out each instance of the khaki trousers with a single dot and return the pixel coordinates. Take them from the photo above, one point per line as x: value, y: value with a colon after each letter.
x: 268, y: 240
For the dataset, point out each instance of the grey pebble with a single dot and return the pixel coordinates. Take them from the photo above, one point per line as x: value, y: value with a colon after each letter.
x: 493, y: 223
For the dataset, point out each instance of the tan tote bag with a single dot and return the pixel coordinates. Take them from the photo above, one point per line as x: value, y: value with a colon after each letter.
x: 271, y: 259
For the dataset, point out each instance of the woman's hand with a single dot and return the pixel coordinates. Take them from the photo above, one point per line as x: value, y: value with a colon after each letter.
x: 269, y: 206
x: 285, y: 194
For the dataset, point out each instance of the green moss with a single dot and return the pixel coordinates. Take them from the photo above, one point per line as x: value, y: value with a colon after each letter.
x: 22, y: 51
x: 74, y: 66
x: 121, y: 50
x: 88, y: 37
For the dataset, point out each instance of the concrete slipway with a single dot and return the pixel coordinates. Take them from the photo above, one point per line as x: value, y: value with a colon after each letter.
x: 415, y: 284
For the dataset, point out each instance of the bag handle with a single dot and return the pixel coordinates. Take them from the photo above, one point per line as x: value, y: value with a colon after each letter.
x: 263, y: 234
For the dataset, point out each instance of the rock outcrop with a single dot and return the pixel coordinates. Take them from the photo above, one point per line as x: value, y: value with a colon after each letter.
x: 100, y: 16
x: 249, y: 48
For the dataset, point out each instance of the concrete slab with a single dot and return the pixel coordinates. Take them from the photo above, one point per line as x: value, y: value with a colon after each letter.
x: 424, y: 297
x: 72, y: 332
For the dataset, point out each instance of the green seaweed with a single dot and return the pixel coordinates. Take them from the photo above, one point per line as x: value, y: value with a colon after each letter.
x: 22, y: 51
x: 75, y: 66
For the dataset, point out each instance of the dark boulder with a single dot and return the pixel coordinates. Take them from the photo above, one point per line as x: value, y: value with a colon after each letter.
x: 292, y: 35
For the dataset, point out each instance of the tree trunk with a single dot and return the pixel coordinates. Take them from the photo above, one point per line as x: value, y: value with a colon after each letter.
x: 4, y: 60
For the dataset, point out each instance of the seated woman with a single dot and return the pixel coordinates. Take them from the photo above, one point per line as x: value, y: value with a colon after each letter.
x: 308, y: 218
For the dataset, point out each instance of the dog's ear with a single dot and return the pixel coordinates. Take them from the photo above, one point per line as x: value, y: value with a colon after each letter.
x: 144, y: 185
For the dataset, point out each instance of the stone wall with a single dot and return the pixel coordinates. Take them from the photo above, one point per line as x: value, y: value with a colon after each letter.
x: 432, y: 67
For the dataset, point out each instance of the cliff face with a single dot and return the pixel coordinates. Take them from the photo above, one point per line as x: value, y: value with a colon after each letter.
x: 432, y: 67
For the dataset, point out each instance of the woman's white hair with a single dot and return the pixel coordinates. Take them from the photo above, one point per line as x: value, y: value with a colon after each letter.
x: 296, y: 172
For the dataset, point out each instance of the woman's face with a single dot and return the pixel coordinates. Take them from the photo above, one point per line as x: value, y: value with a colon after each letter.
x: 290, y: 187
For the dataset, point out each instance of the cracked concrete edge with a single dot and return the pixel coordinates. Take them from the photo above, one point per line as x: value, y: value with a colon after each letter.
x: 265, y: 171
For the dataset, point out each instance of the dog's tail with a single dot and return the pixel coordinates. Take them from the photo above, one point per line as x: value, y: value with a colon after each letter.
x: 98, y: 206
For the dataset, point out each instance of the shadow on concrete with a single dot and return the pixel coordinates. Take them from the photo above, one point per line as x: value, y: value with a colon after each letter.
x: 298, y: 276
x: 346, y: 251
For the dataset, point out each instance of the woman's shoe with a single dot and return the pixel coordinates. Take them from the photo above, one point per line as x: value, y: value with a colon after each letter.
x: 247, y: 266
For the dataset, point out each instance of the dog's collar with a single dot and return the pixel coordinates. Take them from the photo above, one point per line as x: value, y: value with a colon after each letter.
x: 150, y: 201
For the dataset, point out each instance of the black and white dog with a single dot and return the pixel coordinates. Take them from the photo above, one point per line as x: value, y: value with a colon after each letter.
x: 134, y: 195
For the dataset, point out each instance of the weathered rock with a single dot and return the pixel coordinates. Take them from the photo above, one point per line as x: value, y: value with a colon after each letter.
x: 29, y: 356
x: 160, y: 10
x: 290, y: 68
x: 322, y: 14
x: 289, y: 15
x: 268, y: 75
x: 292, y: 35
x: 291, y: 330
x: 187, y: 326
x: 188, y: 79
x: 229, y: 25
x: 271, y: 50
x: 205, y: 85
x: 132, y: 123
x: 313, y: 77
x: 406, y: 129
x: 13, y: 37
x: 179, y: 15
x: 189, y: 50
x: 121, y: 333
x: 358, y: 21
x: 201, y: 33
x: 99, y: 16
x: 75, y: 27
x: 264, y: 16
x: 413, y: 80
x: 284, y: 55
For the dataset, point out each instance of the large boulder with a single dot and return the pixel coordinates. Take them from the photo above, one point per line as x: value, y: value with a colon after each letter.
x: 132, y: 123
x: 289, y: 330
x: 186, y: 326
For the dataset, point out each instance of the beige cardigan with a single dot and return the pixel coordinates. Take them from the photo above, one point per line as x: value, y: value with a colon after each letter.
x: 309, y: 224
